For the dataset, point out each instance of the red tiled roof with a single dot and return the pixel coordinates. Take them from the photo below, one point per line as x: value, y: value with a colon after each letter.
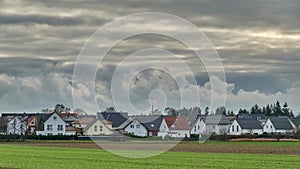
x: 181, y: 123
x: 65, y: 115
x: 170, y: 120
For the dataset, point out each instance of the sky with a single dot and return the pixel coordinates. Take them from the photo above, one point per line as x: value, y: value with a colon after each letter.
x: 258, y: 43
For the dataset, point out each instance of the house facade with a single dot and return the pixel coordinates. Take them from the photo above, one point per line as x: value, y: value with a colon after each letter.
x: 135, y: 127
x: 216, y: 124
x: 117, y: 118
x: 98, y: 127
x: 279, y: 125
x: 245, y: 126
x: 198, y: 126
x: 155, y: 124
x: 31, y: 125
x: 54, y: 125
x: 179, y: 127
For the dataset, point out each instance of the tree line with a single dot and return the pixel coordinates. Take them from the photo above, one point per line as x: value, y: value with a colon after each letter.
x: 270, y: 110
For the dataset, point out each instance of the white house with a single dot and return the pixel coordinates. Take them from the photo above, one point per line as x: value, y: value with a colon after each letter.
x: 179, y: 127
x: 198, y: 126
x: 134, y: 127
x: 279, y: 125
x: 54, y: 125
x: 245, y: 126
x: 163, y: 128
x: 155, y: 124
x: 16, y: 125
x: 216, y: 124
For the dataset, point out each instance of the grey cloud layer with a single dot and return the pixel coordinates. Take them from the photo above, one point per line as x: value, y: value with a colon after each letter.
x: 258, y: 42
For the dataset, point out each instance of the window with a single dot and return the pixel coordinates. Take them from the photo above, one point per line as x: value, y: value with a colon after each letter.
x: 232, y: 128
x: 237, y: 128
x: 32, y: 122
x: 49, y: 127
x: 138, y: 126
x: 101, y: 128
x: 54, y: 117
x: 267, y: 126
x: 132, y: 126
x: 271, y: 126
x: 59, y: 127
x: 95, y: 128
x: 198, y: 127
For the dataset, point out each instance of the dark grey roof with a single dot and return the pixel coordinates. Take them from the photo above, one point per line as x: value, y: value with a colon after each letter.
x: 296, y: 121
x: 215, y: 119
x: 259, y: 116
x: 193, y: 117
x: 249, y: 124
x: 43, y: 116
x: 116, y: 118
x: 126, y: 123
x: 151, y: 122
x: 245, y: 116
x: 281, y: 123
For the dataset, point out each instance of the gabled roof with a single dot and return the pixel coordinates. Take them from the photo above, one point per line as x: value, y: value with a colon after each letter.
x: 281, y: 123
x: 52, y: 114
x: 66, y: 115
x: 151, y: 122
x: 216, y: 120
x: 30, y: 118
x: 193, y: 117
x: 42, y: 116
x: 123, y: 125
x: 116, y: 118
x: 93, y: 122
x: 84, y: 120
x: 181, y: 123
x: 170, y: 120
x: 249, y: 124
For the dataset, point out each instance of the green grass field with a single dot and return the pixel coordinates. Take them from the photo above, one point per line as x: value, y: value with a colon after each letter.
x: 16, y: 156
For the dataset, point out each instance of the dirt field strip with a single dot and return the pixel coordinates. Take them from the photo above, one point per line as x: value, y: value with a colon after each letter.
x: 215, y: 147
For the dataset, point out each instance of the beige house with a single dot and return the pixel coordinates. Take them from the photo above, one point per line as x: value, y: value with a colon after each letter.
x: 98, y: 127
x: 83, y: 121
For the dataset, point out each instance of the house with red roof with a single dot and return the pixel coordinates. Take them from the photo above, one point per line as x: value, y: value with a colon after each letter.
x: 179, y: 127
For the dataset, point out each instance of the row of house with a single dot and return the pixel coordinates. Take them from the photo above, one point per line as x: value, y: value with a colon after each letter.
x: 250, y: 125
x: 111, y: 123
